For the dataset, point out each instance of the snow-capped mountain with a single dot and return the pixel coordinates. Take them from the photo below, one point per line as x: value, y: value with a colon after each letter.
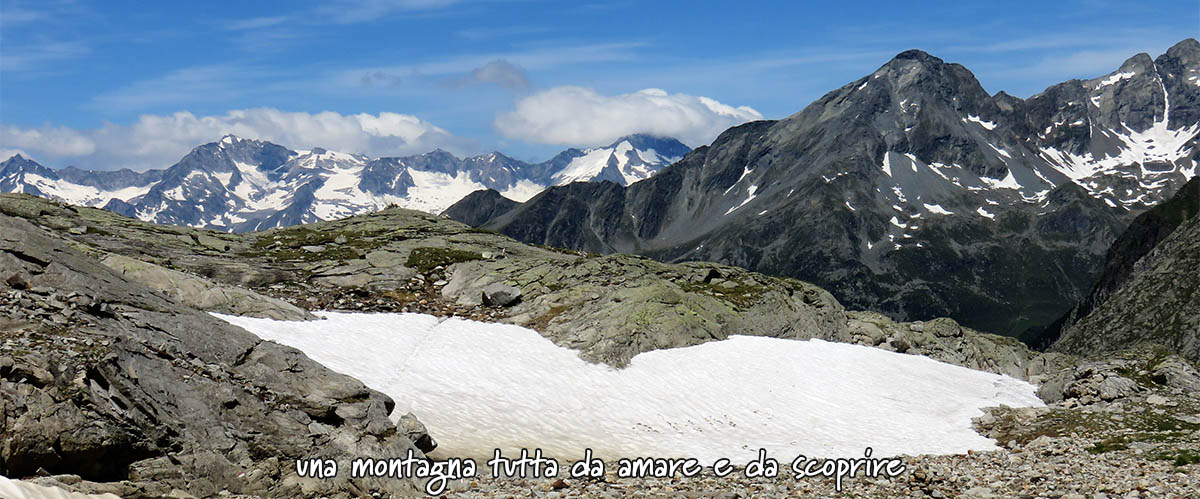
x: 238, y: 184
x: 910, y: 190
x: 92, y: 188
x: 628, y: 160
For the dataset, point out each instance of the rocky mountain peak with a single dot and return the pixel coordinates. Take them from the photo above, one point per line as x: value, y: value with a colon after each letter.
x: 19, y: 164
x: 16, y: 160
x: 1187, y: 50
x: 1138, y: 64
x: 917, y: 55
x: 665, y: 146
x: 439, y: 154
x: 914, y: 76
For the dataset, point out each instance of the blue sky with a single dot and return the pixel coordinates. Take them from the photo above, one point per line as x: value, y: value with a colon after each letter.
x: 137, y: 84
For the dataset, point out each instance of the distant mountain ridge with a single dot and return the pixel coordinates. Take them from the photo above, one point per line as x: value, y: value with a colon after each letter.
x: 910, y: 190
x: 238, y: 184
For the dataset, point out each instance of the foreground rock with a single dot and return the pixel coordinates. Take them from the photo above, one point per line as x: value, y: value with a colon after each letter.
x: 140, y: 395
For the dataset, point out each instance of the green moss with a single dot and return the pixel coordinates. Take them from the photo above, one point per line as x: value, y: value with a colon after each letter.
x: 564, y: 251
x: 741, y: 295
x: 1180, y: 457
x: 1107, y: 446
x: 426, y: 259
x: 288, y: 244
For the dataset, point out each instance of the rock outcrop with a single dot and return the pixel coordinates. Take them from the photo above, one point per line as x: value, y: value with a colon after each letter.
x: 203, y: 294
x: 140, y: 395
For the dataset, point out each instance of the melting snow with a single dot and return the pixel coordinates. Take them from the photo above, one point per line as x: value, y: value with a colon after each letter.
x: 937, y: 209
x: 749, y: 197
x: 1115, y: 78
x: 480, y: 386
x: 975, y: 119
x: 983, y: 212
x: 1009, y: 182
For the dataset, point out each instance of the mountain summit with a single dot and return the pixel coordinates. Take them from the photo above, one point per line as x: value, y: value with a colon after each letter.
x: 910, y: 190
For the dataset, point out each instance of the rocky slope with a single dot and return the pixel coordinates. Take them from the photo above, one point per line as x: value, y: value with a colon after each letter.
x: 1149, y: 293
x: 910, y: 191
x: 237, y: 184
x: 113, y: 382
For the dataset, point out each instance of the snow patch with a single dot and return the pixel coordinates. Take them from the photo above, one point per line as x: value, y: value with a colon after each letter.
x: 749, y: 197
x: 480, y: 386
x: 937, y: 209
x: 1115, y: 78
x: 975, y: 119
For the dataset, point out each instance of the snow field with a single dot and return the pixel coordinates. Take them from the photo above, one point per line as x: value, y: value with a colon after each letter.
x: 479, y: 386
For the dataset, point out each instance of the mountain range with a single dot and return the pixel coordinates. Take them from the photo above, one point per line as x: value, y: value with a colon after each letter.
x: 911, y: 190
x: 238, y: 184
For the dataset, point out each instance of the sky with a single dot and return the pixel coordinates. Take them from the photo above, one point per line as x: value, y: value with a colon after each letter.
x: 124, y: 84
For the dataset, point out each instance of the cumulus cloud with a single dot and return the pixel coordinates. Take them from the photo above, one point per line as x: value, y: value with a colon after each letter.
x: 158, y: 141
x: 579, y: 116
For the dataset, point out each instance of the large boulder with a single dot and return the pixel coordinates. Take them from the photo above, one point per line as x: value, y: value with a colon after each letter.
x: 416, y: 432
x: 140, y: 395
x: 498, y: 294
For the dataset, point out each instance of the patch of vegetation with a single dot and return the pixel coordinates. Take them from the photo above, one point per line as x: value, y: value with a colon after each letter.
x: 565, y: 251
x: 544, y: 320
x: 426, y: 259
x: 401, y: 296
x: 1180, y: 457
x: 1107, y: 446
x: 98, y: 231
x: 740, y: 294
x: 290, y: 243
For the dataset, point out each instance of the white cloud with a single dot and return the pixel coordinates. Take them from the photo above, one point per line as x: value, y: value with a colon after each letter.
x: 158, y: 141
x: 33, y: 56
x: 54, y: 140
x: 579, y: 116
x: 356, y: 11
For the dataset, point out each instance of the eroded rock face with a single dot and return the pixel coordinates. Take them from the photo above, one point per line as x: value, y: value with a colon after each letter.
x: 110, y: 380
